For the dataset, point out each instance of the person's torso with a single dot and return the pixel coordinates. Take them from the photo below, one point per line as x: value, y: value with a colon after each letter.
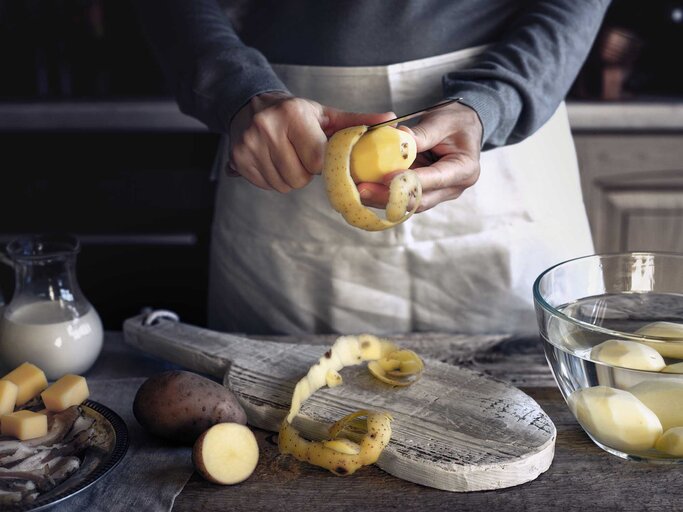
x: 367, y: 32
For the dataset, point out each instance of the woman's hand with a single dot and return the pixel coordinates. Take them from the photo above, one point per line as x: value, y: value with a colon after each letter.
x: 448, y: 145
x: 278, y: 140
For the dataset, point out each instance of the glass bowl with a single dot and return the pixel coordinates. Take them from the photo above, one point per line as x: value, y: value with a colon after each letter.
x: 612, y: 330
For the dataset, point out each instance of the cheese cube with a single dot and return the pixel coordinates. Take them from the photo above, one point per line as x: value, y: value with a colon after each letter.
x: 67, y: 391
x: 29, y: 379
x: 24, y: 425
x: 8, y: 396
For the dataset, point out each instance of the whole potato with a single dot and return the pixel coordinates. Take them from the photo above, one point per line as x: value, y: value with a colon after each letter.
x: 180, y: 406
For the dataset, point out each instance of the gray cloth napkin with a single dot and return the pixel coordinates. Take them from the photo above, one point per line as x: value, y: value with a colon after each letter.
x: 153, y: 472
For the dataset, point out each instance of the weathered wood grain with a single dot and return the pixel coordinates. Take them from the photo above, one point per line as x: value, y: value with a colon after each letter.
x: 582, y: 478
x: 456, y: 429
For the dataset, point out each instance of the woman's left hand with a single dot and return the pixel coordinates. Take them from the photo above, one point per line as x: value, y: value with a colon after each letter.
x: 448, y: 146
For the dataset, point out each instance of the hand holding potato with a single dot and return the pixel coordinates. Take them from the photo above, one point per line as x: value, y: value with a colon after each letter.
x: 448, y: 144
x: 278, y: 140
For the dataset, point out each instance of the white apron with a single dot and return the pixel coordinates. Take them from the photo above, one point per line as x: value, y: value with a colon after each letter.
x: 290, y: 264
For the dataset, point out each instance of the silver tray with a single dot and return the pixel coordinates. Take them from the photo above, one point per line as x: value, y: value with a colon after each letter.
x: 111, y: 444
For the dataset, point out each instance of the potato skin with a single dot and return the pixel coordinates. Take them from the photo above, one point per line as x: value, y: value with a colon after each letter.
x: 180, y: 406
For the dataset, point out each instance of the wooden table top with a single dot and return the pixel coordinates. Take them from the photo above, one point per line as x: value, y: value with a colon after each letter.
x: 582, y: 476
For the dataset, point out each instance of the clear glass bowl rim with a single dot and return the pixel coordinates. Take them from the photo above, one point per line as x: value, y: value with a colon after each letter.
x: 538, y: 297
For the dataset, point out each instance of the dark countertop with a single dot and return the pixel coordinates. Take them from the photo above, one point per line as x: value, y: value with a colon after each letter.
x: 582, y: 476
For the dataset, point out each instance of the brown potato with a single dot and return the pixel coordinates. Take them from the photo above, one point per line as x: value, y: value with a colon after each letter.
x: 180, y: 406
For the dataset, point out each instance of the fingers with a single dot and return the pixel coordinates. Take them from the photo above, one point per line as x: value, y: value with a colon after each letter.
x: 281, y: 146
x: 456, y: 170
x: 278, y: 142
x: 335, y: 120
x: 375, y: 195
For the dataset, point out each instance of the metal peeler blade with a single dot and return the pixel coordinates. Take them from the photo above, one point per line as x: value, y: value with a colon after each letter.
x: 414, y: 114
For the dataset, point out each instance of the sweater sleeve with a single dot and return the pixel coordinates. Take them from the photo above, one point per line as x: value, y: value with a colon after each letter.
x: 519, y: 82
x: 212, y: 73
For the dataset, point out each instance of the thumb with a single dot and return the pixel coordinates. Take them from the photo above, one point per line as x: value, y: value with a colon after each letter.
x: 336, y: 119
x: 425, y: 136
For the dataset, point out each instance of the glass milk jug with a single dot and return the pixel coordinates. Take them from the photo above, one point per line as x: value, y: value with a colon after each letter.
x: 48, y: 321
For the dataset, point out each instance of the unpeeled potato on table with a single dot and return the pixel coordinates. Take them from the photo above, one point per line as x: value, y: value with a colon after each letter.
x: 180, y: 406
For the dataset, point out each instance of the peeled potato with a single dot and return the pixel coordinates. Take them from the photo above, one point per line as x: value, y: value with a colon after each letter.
x: 628, y: 354
x: 664, y: 397
x: 665, y: 330
x: 673, y: 368
x: 344, y: 196
x: 671, y: 442
x: 226, y: 454
x: 616, y: 418
x: 381, y: 151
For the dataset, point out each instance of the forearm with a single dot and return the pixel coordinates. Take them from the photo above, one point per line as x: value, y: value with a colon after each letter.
x: 518, y: 83
x: 212, y: 73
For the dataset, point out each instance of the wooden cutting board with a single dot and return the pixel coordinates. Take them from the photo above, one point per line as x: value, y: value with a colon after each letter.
x: 455, y: 429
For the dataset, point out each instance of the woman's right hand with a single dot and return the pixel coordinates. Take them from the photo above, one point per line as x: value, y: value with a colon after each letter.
x: 277, y: 141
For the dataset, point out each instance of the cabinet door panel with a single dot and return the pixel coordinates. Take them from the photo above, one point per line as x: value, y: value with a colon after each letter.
x: 643, y: 220
x: 633, y: 190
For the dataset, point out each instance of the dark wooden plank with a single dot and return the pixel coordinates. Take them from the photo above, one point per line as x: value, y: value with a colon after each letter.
x: 457, y: 429
x: 582, y: 478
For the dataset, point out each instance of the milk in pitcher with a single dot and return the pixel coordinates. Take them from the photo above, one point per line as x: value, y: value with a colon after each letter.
x: 46, y: 334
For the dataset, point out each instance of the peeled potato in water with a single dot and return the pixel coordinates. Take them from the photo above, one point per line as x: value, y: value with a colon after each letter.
x: 671, y: 442
x: 673, y: 349
x: 664, y: 397
x: 616, y: 418
x: 628, y: 354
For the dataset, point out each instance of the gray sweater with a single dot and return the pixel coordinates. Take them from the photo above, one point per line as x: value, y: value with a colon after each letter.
x: 218, y: 58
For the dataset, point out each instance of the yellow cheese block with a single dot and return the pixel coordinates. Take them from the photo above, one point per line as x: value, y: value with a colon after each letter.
x: 8, y: 396
x: 24, y: 425
x: 67, y: 391
x: 29, y: 379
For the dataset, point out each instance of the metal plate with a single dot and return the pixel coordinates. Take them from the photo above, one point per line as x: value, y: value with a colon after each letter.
x: 111, y: 444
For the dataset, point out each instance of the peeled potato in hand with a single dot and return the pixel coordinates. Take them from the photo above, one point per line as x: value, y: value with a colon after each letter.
x: 405, y: 190
x: 226, y: 454
x: 381, y: 151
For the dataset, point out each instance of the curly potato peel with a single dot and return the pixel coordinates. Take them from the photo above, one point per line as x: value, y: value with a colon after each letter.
x: 366, y: 432
x: 343, y: 193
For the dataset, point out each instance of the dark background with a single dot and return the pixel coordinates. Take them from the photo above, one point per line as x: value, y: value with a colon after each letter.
x: 140, y: 199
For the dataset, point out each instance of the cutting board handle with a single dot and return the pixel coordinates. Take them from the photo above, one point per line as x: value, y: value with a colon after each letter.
x: 195, y: 348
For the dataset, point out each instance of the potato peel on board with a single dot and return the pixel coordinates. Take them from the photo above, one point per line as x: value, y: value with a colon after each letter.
x: 341, y: 455
x: 343, y: 193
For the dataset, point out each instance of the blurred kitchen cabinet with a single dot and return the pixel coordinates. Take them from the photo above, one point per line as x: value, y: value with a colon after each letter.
x: 131, y: 179
x: 631, y: 161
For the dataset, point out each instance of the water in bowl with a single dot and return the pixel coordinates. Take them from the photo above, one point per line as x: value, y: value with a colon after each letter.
x: 568, y: 349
